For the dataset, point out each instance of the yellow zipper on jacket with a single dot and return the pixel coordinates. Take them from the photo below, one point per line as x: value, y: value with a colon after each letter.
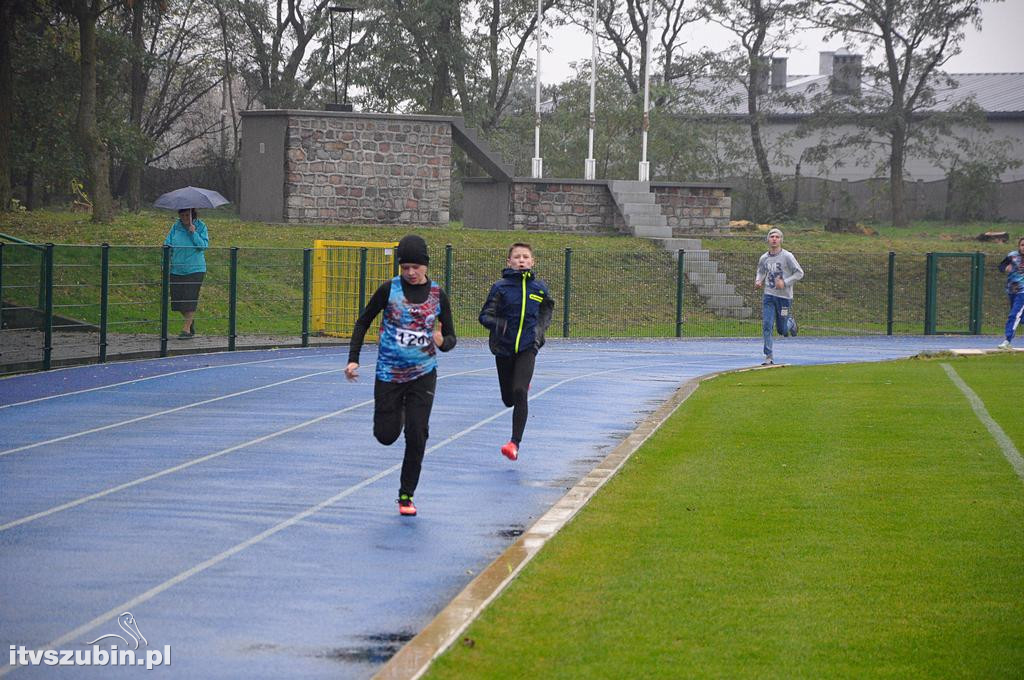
x: 522, y: 313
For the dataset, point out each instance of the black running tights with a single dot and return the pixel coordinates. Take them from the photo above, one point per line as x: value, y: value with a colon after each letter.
x: 514, y: 376
x: 408, y: 404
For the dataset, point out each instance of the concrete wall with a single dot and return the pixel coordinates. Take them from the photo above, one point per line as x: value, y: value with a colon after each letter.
x: 858, y: 164
x: 485, y: 203
x: 819, y: 199
x: 263, y: 168
x: 348, y: 168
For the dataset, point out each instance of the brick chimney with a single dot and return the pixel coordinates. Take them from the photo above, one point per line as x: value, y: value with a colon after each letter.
x: 825, y: 63
x: 763, y: 73
x: 778, y: 73
x: 846, y: 73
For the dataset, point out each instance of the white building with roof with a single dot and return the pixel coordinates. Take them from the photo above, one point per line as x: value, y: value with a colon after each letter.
x: 785, y: 101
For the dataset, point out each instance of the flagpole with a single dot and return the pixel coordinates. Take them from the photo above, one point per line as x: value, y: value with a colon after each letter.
x: 538, y: 162
x: 645, y: 167
x: 590, y: 166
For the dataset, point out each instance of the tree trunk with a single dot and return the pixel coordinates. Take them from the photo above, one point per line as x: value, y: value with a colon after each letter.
x: 441, y: 88
x: 760, y: 155
x: 772, y: 189
x: 896, y: 162
x: 136, y: 160
x: 236, y: 172
x: 794, y: 204
x: 96, y: 154
x: 6, y: 105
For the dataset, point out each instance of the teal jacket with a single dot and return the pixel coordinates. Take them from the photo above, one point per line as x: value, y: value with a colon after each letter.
x: 187, y: 255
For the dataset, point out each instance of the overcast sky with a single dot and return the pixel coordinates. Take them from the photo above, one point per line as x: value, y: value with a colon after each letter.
x: 998, y: 47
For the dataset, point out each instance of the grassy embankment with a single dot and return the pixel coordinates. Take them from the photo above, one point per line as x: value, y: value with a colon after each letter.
x: 620, y: 285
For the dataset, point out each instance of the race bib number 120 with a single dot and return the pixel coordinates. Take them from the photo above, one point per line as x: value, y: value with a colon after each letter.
x: 410, y: 338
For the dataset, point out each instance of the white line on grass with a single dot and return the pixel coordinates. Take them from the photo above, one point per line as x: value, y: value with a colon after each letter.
x: 284, y: 524
x: 1005, y: 443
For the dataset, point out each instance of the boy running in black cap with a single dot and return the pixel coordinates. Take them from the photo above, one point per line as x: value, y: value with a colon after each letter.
x: 406, y: 357
x: 518, y: 312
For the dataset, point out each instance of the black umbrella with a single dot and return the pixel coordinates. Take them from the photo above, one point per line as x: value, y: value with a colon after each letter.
x: 190, y: 197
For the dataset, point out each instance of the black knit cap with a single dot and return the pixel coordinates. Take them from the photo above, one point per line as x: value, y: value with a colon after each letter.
x: 412, y: 249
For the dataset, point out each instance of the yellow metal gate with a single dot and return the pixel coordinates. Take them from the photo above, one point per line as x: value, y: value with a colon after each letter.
x: 345, y: 275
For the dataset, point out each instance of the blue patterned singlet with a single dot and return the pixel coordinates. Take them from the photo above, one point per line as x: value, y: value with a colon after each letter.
x: 407, y: 349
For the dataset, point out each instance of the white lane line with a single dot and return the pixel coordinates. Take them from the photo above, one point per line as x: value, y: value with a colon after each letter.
x: 74, y: 435
x: 196, y: 461
x: 154, y: 377
x: 203, y: 566
x: 185, y: 370
x: 541, y: 393
x: 1010, y: 451
x: 281, y: 526
x: 165, y: 412
x: 167, y: 471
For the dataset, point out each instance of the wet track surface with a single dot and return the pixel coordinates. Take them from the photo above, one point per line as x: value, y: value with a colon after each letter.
x: 239, y: 507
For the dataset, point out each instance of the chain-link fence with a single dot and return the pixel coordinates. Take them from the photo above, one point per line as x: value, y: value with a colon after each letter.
x: 69, y: 304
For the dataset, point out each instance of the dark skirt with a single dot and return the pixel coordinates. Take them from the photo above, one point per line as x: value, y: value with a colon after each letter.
x: 185, y: 291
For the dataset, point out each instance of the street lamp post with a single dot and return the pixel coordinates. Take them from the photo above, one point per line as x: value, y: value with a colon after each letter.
x: 345, y: 105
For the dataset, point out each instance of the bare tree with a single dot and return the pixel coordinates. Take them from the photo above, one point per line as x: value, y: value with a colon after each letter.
x: 761, y: 28
x: 625, y: 26
x: 916, y: 38
x: 87, y: 13
x: 506, y: 30
x: 9, y: 13
x: 138, y: 82
x: 275, y: 39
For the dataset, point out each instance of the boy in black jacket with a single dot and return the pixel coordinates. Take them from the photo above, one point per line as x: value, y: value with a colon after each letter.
x: 518, y: 311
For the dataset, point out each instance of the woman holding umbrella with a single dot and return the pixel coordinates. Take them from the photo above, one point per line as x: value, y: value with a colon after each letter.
x: 188, y: 239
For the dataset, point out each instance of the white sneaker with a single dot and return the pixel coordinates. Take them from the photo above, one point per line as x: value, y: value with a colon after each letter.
x: 1005, y: 344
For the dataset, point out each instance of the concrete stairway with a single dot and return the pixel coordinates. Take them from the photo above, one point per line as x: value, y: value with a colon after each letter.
x: 639, y: 211
x: 643, y: 218
x: 701, y: 271
x: 480, y: 151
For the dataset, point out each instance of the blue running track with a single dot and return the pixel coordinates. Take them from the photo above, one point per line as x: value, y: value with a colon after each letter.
x: 238, y: 506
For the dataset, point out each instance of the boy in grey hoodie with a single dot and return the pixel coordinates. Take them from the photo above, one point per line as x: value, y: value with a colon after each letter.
x: 777, y: 271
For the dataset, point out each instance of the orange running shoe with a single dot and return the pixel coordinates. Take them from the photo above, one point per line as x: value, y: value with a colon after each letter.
x: 405, y: 506
x: 510, y: 451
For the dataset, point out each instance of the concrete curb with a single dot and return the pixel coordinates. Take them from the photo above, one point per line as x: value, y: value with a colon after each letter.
x: 415, y: 657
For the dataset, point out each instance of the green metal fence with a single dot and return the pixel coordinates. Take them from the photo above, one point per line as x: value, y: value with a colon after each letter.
x: 69, y: 304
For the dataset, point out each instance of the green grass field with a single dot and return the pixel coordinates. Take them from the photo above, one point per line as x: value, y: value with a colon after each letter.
x: 621, y: 286
x: 820, y: 522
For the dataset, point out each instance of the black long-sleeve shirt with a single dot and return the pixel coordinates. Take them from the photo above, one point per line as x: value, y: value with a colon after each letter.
x: 415, y: 294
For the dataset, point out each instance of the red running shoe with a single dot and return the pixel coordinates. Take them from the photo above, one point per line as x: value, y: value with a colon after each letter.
x: 405, y: 506
x: 510, y: 451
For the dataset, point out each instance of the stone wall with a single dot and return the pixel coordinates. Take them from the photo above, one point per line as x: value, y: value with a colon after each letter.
x: 694, y: 209
x: 582, y: 207
x: 588, y: 207
x: 363, y: 169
